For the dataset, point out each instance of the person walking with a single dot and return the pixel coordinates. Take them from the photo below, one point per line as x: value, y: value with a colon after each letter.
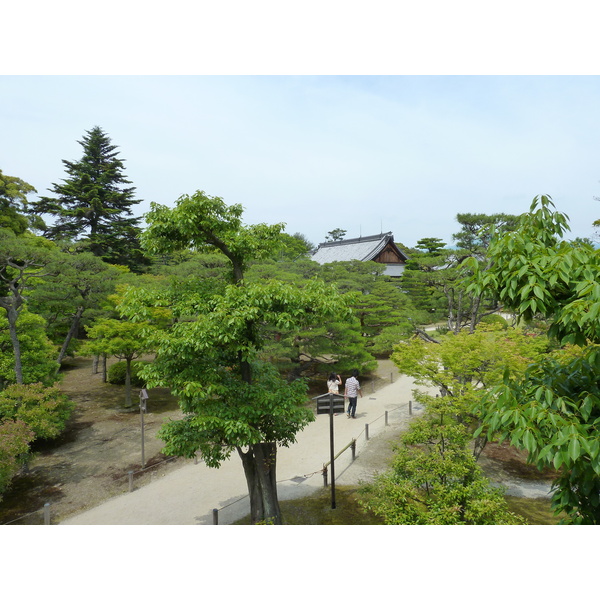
x: 351, y: 391
x: 333, y: 383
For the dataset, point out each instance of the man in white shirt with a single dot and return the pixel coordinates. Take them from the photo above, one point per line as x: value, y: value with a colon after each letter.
x: 351, y: 391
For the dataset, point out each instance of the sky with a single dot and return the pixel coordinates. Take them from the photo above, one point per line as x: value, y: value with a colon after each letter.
x: 367, y: 154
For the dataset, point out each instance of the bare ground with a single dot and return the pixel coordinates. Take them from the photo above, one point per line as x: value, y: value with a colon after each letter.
x: 90, y: 461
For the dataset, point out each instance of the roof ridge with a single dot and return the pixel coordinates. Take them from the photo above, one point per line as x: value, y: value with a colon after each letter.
x: 358, y: 240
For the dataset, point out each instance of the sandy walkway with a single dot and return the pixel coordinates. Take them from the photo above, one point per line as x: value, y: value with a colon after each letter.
x: 188, y: 495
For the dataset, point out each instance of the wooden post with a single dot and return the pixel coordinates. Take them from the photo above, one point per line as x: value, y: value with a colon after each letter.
x: 367, y: 430
x: 324, y: 475
x: 331, y: 452
x: 410, y: 407
x: 130, y: 481
x: 353, y: 449
x: 386, y: 417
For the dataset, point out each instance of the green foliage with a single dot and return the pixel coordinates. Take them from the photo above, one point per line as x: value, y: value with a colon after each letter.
x: 74, y: 296
x: 15, y: 437
x: 13, y: 203
x: 478, y: 229
x: 45, y: 410
x: 494, y: 320
x: 434, y: 478
x: 38, y: 354
x: 464, y: 364
x: 335, y: 235
x: 93, y: 204
x: 553, y: 410
x: 117, y: 373
x: 553, y: 413
x: 205, y: 223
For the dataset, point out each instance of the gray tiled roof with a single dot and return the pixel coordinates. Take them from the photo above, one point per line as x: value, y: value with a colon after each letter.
x: 363, y: 248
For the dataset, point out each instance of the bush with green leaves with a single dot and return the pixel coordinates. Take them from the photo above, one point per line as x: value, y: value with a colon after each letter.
x: 45, y: 410
x: 117, y: 373
x: 15, y: 437
x: 38, y: 354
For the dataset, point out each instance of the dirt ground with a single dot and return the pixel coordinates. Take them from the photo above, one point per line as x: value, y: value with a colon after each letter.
x: 91, y: 461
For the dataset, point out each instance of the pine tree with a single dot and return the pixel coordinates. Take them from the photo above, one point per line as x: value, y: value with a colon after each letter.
x: 93, y: 204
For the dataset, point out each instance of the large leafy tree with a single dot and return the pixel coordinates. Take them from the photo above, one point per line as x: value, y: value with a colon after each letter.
x: 82, y: 283
x: 232, y: 400
x: 22, y: 259
x: 14, y: 204
x: 93, y: 205
x: 553, y: 411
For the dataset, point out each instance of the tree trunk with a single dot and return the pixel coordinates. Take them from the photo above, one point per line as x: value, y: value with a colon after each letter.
x: 260, y: 462
x: 72, y: 331
x: 12, y: 316
x: 128, y: 384
x: 95, y: 362
x: 104, y: 377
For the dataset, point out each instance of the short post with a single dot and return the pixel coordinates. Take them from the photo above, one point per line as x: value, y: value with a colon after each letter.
x: 367, y: 430
x: 47, y: 513
x: 410, y: 407
x: 130, y: 481
x: 392, y: 377
x: 324, y: 475
x: 215, y: 516
x: 372, y: 386
x: 386, y: 417
x: 353, y: 449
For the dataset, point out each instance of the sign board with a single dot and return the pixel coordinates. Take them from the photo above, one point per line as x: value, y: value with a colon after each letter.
x: 325, y: 401
x: 143, y: 398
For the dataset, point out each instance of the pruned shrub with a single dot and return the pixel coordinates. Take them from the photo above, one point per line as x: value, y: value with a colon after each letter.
x: 116, y: 373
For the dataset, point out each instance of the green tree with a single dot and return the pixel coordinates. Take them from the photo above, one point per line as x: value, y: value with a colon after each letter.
x: 462, y: 365
x: 434, y: 478
x: 122, y: 339
x: 477, y: 230
x: 553, y: 411
x: 82, y: 282
x: 45, y: 410
x: 14, y: 204
x: 93, y: 204
x: 232, y: 400
x: 22, y: 259
x: 15, y: 437
x: 37, y: 353
x: 335, y: 235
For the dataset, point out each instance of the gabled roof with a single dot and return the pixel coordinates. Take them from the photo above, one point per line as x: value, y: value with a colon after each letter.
x: 362, y: 248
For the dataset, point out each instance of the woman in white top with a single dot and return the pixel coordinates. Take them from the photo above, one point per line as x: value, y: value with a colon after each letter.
x: 333, y: 383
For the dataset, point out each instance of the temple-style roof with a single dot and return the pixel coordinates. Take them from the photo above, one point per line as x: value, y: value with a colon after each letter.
x: 380, y: 248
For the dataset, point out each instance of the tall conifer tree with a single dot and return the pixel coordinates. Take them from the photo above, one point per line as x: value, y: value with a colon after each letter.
x: 93, y: 204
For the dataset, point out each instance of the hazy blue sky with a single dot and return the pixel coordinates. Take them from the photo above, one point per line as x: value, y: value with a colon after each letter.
x: 363, y: 153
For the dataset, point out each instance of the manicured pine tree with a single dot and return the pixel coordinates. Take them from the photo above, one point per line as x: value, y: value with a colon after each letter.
x: 93, y: 204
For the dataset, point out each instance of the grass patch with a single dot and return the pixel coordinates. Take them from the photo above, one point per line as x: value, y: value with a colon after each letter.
x: 316, y: 509
x: 537, y: 511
